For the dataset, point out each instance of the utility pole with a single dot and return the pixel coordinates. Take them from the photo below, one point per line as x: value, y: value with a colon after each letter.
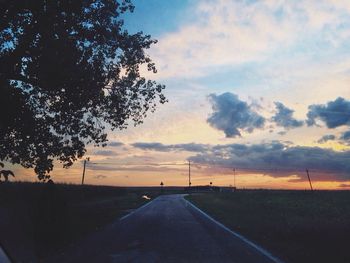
x: 189, y: 173
x: 82, y: 179
x: 161, y: 187
x: 234, y: 179
x: 308, y: 176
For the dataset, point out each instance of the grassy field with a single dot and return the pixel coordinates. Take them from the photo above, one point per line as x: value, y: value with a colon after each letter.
x: 47, y: 218
x: 296, y: 226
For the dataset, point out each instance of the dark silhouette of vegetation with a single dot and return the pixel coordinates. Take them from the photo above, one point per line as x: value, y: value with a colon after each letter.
x: 6, y: 174
x: 68, y: 70
x: 296, y: 226
x: 50, y: 217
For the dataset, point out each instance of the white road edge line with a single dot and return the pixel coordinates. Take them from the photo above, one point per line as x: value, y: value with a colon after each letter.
x: 260, y: 249
x: 137, y: 209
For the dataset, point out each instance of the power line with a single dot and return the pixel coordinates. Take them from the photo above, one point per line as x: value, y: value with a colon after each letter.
x: 250, y: 168
x: 236, y: 168
x: 141, y: 164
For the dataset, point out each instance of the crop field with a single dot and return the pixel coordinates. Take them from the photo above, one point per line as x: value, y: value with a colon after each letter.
x: 296, y: 226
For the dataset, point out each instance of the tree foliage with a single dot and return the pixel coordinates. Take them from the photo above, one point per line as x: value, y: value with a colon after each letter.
x: 68, y: 70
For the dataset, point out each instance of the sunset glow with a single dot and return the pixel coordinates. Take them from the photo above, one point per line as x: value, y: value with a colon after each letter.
x: 259, y: 86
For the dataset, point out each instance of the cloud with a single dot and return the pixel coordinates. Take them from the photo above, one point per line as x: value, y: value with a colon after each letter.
x: 135, y: 168
x: 344, y: 185
x: 279, y: 159
x: 282, y: 133
x: 284, y: 117
x: 221, y: 33
x: 156, y: 146
x: 100, y: 176
x: 191, y: 147
x: 115, y: 144
x: 232, y: 115
x: 274, y: 158
x: 345, y: 138
x: 326, y: 138
x: 105, y: 153
x: 335, y: 113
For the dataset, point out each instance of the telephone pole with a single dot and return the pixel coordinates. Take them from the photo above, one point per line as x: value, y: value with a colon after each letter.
x: 82, y: 179
x: 234, y: 178
x: 308, y: 176
x: 189, y: 173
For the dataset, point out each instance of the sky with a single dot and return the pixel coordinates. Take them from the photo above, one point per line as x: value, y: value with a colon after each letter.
x: 262, y: 87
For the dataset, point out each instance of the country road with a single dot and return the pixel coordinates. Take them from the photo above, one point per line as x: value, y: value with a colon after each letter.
x: 168, y: 229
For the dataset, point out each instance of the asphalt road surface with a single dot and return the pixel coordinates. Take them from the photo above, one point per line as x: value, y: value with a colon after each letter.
x: 168, y: 229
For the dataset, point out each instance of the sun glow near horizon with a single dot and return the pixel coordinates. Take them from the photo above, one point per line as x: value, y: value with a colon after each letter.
x: 250, y: 84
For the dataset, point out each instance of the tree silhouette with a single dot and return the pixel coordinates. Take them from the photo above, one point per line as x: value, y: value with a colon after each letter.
x: 68, y: 70
x: 6, y: 174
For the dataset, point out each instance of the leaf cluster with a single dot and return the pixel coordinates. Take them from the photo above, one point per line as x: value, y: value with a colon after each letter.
x: 68, y: 70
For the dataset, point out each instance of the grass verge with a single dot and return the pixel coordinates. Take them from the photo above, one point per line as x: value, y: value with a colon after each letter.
x: 44, y: 219
x: 295, y: 226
